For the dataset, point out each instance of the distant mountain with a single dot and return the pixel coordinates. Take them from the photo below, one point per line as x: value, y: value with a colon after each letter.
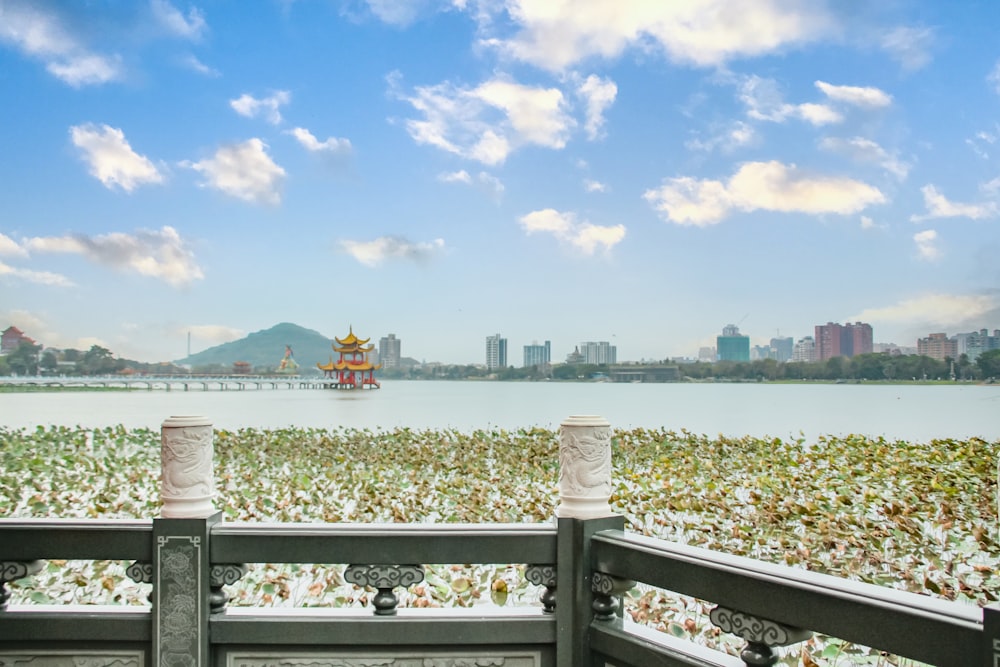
x: 265, y: 349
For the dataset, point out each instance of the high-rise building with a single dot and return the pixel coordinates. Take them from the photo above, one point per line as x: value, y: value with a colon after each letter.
x: 389, y: 351
x: 760, y: 352
x: 707, y: 354
x: 732, y: 345
x: 496, y: 352
x: 938, y: 346
x: 602, y: 352
x: 975, y: 343
x: 804, y: 350
x: 781, y: 348
x: 843, y: 340
x: 538, y: 355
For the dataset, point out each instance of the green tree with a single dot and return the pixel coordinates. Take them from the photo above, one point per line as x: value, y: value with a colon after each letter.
x: 49, y: 361
x: 98, y: 361
x: 24, y: 359
x: 989, y: 364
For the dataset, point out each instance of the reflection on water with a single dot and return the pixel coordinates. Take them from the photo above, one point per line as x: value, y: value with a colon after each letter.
x: 782, y: 410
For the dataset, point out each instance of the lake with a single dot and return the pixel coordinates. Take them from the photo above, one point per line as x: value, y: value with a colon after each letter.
x: 907, y: 412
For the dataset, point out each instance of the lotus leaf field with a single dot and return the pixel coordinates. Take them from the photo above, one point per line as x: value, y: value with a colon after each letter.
x: 914, y: 516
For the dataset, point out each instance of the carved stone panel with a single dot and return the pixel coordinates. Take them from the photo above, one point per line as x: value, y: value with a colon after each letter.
x: 384, y: 659
x: 177, y: 607
x: 71, y: 659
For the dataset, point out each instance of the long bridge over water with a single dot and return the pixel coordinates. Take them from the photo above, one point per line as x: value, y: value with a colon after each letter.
x: 176, y: 382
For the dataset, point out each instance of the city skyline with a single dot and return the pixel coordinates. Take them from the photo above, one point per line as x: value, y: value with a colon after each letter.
x: 631, y: 172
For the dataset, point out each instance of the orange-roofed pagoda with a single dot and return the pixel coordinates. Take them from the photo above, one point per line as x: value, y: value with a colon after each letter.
x: 352, y: 369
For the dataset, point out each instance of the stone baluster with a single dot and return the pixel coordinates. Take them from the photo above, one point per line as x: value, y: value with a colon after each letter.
x: 384, y: 578
x: 608, y: 591
x: 223, y: 574
x: 14, y: 570
x: 762, y: 635
x: 181, y: 581
x: 544, y: 575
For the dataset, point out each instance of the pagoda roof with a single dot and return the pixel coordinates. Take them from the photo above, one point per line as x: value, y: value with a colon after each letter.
x: 348, y: 365
x: 351, y: 339
x: 347, y: 349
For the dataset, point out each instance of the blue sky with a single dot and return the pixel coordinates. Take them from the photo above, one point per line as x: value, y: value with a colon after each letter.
x: 638, y: 172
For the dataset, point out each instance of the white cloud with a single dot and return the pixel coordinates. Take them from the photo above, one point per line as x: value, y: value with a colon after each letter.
x: 268, y: 107
x: 42, y: 34
x: 37, y: 277
x: 927, y: 246
x: 192, y: 26
x: 192, y: 63
x: 555, y: 35
x: 910, y: 47
x: 937, y: 310
x: 594, y: 186
x: 213, y: 333
x: 599, y: 94
x: 162, y: 254
x: 243, y: 170
x: 488, y: 122
x: 312, y: 144
x: 112, y: 160
x: 866, y: 150
x: 484, y: 181
x: 994, y: 77
x: 870, y: 98
x: 373, y: 253
x: 768, y: 186
x: 461, y: 176
x: 397, y: 12
x: 736, y: 135
x: 991, y: 187
x: 764, y: 101
x: 938, y: 206
x: 584, y: 236
x: 10, y: 248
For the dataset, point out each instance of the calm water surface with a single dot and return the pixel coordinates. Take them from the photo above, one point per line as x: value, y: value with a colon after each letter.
x: 918, y: 413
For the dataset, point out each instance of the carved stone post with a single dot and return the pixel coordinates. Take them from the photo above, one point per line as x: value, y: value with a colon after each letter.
x: 584, y: 490
x: 187, y: 485
x: 181, y: 568
x: 584, y: 467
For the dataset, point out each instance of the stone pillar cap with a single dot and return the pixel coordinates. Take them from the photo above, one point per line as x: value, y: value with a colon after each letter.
x: 180, y: 421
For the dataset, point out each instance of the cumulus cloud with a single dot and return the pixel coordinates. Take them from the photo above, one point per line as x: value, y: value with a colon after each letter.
x: 36, y: 277
x: 488, y: 122
x: 111, y: 159
x: 268, y: 107
x: 935, y: 310
x: 764, y: 101
x: 927, y: 244
x: 909, y: 46
x: 584, y: 236
x: 767, y: 186
x: 314, y: 145
x: 594, y: 186
x: 161, y: 254
x: 938, y: 206
x: 192, y: 26
x: 557, y: 35
x: 866, y: 150
x: 485, y: 182
x: 867, y: 222
x: 397, y: 12
x: 866, y: 97
x: 43, y: 34
x: 373, y: 253
x: 244, y: 171
x: 598, y: 95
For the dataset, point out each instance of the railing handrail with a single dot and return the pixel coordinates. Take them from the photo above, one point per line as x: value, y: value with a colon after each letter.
x: 84, y: 539
x: 940, y: 632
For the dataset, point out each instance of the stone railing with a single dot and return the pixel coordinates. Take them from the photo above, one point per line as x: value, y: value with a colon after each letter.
x: 582, y: 562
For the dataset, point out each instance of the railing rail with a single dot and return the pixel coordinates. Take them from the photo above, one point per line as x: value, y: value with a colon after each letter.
x: 934, y: 631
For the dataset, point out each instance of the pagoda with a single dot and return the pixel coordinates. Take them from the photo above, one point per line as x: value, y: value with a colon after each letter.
x: 352, y: 369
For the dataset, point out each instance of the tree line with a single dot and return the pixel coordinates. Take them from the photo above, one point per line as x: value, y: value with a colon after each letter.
x: 29, y: 359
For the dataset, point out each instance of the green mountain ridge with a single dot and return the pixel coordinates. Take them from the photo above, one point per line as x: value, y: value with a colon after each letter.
x: 265, y: 349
